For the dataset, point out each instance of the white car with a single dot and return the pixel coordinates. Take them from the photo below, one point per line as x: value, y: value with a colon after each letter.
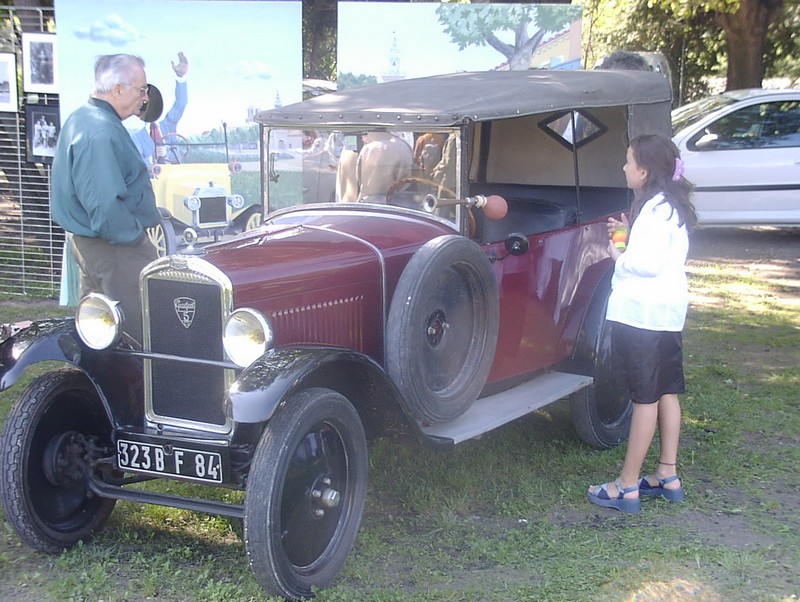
x: 742, y: 153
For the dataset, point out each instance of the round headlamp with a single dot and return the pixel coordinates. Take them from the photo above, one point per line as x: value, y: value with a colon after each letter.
x: 99, y: 321
x: 247, y: 336
x: 192, y: 202
x: 236, y: 201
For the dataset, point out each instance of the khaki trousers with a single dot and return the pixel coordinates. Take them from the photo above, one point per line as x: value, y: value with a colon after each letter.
x: 113, y: 270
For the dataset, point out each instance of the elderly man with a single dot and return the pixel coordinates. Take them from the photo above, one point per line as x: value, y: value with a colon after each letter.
x: 100, y: 187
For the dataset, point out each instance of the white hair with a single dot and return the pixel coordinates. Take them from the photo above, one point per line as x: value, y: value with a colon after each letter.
x: 113, y: 69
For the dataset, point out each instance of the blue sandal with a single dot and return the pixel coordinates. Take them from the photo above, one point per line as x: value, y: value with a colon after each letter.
x: 672, y: 495
x: 621, y: 503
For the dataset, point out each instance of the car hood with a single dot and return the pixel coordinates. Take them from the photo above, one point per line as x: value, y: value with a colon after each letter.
x: 310, y: 249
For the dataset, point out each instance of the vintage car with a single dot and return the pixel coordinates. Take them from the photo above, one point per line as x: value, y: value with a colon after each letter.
x: 469, y: 294
x: 195, y: 195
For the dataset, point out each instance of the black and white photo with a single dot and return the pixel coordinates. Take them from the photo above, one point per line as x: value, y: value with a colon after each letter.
x: 42, y: 129
x: 8, y: 83
x: 39, y: 62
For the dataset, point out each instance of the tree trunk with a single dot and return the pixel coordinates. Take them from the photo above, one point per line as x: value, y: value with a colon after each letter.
x: 746, y: 34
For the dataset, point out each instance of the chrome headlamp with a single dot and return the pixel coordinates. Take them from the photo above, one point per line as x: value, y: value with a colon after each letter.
x: 247, y: 336
x: 99, y: 321
x: 192, y: 203
x: 236, y: 201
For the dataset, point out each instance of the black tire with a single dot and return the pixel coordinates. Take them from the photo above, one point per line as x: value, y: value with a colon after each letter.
x: 305, y: 493
x: 442, y: 328
x: 48, y: 503
x: 602, y: 412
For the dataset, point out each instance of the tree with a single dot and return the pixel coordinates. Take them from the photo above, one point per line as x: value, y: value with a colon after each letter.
x: 476, y: 25
x: 319, y: 39
x: 746, y: 25
x: 746, y: 35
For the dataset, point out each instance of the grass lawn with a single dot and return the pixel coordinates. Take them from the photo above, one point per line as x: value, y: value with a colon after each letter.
x: 505, y: 518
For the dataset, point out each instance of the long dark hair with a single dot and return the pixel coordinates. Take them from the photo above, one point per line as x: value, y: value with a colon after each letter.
x: 657, y: 154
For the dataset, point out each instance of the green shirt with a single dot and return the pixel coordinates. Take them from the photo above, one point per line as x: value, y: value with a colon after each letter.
x: 100, y: 186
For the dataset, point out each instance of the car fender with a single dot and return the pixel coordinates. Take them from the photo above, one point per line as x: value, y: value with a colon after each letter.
x: 591, y: 325
x: 269, y: 381
x: 117, y: 376
x: 41, y: 341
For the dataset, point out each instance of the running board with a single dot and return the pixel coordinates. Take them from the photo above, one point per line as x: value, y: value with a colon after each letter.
x: 493, y: 411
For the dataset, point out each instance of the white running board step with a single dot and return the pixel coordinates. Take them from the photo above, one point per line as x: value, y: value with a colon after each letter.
x: 493, y: 411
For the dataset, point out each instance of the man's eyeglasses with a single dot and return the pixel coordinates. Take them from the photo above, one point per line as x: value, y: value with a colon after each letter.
x: 142, y: 91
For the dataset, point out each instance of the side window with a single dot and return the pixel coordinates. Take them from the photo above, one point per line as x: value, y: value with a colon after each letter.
x: 560, y: 127
x: 775, y: 124
x: 782, y: 125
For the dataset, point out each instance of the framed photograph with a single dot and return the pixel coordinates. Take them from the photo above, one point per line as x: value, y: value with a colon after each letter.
x: 8, y: 83
x: 39, y: 62
x: 42, y: 127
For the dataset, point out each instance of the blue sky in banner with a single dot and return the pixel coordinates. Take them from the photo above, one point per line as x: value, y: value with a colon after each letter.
x: 241, y: 54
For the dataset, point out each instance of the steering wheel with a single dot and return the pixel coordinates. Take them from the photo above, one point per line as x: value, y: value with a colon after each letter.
x: 418, y: 196
x: 176, y: 148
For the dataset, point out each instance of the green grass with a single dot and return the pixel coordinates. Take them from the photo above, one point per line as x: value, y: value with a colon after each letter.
x: 505, y: 518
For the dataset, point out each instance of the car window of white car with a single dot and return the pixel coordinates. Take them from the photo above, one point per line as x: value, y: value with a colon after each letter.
x: 771, y: 124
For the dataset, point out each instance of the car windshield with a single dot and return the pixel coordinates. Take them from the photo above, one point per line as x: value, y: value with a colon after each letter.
x: 366, y: 166
x: 689, y: 114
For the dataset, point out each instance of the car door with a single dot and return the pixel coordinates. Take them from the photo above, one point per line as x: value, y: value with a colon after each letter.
x: 745, y: 164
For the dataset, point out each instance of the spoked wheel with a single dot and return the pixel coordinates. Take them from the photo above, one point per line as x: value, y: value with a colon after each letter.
x: 54, y: 425
x: 162, y: 235
x: 442, y: 328
x: 602, y: 412
x: 305, y: 493
x: 253, y: 220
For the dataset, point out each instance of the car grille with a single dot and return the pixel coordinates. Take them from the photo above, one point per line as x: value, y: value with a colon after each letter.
x: 185, y: 312
x: 213, y: 212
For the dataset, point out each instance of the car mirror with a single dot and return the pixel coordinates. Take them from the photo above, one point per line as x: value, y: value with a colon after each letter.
x: 707, y: 141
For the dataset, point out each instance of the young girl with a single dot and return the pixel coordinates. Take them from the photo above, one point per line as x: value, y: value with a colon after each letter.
x: 647, y: 306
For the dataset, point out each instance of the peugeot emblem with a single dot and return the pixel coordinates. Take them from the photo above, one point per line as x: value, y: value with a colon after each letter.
x: 184, y: 308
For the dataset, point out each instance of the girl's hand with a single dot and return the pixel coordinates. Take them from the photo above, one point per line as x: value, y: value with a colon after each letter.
x: 613, y: 251
x: 617, y: 235
x: 614, y: 223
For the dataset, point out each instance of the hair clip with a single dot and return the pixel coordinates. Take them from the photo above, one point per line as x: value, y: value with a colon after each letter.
x: 679, y: 169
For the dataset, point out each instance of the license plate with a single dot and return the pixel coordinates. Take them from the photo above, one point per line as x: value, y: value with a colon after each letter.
x: 176, y: 461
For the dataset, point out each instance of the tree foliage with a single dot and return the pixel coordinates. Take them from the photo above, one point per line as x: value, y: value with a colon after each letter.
x: 350, y: 80
x: 738, y: 40
x: 477, y: 24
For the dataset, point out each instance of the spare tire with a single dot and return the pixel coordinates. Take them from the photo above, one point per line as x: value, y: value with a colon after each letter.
x: 442, y: 328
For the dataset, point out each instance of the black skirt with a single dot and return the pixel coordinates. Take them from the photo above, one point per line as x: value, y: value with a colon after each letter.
x: 652, y: 361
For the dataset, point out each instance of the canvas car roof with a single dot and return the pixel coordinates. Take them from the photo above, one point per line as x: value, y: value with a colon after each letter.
x: 458, y: 98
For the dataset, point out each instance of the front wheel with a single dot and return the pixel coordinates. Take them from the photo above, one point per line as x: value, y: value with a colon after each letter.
x: 55, y: 424
x: 162, y: 235
x: 305, y: 493
x: 253, y: 220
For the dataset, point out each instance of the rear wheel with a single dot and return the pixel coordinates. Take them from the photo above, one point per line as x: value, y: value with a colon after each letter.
x: 442, y: 328
x: 602, y: 412
x: 49, y: 432
x: 305, y: 493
